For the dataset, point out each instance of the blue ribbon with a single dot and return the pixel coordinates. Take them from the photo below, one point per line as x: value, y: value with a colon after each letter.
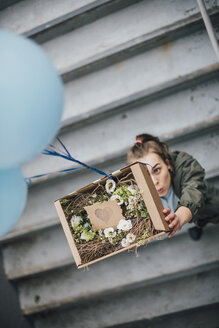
x: 29, y: 182
x: 148, y: 165
x: 52, y: 151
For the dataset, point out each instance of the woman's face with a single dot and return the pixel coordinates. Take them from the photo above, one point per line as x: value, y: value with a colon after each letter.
x: 160, y: 175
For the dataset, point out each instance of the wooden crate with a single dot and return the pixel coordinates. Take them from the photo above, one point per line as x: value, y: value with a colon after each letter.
x: 149, y: 194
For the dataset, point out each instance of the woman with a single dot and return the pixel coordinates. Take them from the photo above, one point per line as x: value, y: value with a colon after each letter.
x: 179, y: 181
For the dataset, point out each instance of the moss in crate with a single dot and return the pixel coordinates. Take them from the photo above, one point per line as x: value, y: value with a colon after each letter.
x: 135, y: 229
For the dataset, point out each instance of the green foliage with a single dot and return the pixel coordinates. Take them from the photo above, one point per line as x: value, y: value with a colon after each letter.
x: 98, y: 198
x: 123, y: 192
x: 88, y: 235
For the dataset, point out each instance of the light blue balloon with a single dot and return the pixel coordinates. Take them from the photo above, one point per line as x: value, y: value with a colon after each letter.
x: 31, y: 99
x: 13, y: 194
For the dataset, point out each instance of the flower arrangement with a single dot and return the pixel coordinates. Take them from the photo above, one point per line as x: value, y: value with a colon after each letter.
x: 136, y: 226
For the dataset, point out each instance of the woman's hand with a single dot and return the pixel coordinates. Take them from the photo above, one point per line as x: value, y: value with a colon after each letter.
x: 173, y: 221
x: 178, y: 219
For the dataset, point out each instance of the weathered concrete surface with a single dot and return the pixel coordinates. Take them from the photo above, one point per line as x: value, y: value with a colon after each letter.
x: 102, y: 35
x: 169, y: 89
x: 143, y: 303
x: 159, y: 261
x: 191, y: 106
x: 29, y: 14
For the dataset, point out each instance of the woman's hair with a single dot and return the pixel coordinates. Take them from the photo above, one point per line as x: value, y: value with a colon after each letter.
x: 146, y: 143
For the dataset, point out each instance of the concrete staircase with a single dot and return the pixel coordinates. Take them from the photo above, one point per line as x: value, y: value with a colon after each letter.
x: 128, y: 67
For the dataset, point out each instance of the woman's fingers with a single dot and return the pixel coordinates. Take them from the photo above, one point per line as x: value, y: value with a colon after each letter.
x: 166, y: 211
x: 174, y: 222
x: 175, y: 229
x: 170, y: 217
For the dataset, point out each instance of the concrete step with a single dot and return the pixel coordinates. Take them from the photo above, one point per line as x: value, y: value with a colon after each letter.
x: 181, y: 136
x: 82, y: 103
x: 6, y: 3
x: 193, y: 105
x: 141, y: 98
x: 205, y: 149
x: 158, y: 262
x: 27, y: 15
x: 113, y: 38
x: 201, y: 316
x: 38, y: 20
x: 43, y: 251
x: 37, y: 253
x: 138, y: 73
x: 133, y: 47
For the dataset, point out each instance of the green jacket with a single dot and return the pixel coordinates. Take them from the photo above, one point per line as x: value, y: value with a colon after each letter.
x: 192, y: 190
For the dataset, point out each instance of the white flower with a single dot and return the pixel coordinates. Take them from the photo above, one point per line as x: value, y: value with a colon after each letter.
x: 130, y: 237
x: 86, y: 225
x: 117, y: 198
x: 125, y: 242
x: 124, y: 225
x: 110, y: 186
x: 87, y: 235
x: 132, y: 190
x: 109, y: 232
x: 84, y: 236
x: 75, y: 221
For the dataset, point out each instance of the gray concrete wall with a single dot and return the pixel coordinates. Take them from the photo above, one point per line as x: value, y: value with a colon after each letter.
x: 128, y: 67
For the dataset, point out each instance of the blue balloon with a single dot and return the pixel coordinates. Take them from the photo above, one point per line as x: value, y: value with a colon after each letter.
x: 13, y: 194
x: 31, y: 99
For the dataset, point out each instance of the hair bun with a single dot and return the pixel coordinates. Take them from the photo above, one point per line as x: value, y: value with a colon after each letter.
x: 147, y: 137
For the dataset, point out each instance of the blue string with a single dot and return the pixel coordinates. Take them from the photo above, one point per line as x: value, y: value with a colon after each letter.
x: 149, y: 165
x: 29, y: 179
x: 29, y: 182
x: 70, y: 158
x: 59, y: 153
x: 63, y: 146
x: 52, y: 151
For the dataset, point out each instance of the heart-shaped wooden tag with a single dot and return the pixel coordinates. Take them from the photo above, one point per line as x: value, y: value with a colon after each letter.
x: 104, y: 215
